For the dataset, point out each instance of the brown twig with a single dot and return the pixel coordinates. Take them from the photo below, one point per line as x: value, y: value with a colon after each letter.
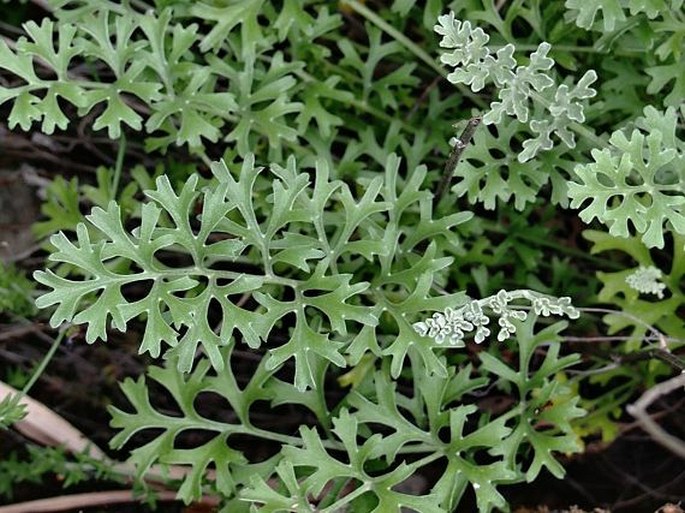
x: 455, y: 156
x: 639, y: 411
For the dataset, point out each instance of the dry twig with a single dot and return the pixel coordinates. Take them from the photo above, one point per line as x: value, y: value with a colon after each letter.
x: 639, y: 411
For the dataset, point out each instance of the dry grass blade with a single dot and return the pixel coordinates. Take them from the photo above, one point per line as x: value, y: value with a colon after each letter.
x: 80, y: 500
x: 44, y: 426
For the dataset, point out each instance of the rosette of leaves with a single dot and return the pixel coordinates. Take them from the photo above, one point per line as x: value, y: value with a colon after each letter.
x: 540, y: 423
x: 379, y: 438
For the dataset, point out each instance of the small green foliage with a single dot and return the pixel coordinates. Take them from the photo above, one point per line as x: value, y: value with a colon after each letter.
x: 16, y: 292
x: 335, y: 265
x: 39, y: 462
x: 11, y: 411
x: 647, y: 294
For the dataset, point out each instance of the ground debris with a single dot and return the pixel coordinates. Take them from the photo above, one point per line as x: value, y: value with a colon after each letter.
x: 572, y: 509
x: 666, y: 508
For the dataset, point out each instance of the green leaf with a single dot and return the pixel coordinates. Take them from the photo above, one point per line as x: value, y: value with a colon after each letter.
x: 24, y: 111
x: 381, y: 407
x: 662, y: 75
x: 61, y: 207
x: 116, y: 111
x: 585, y: 13
x: 59, y: 55
x: 305, y: 344
x: 327, y: 468
x: 263, y: 100
x: 226, y: 18
x: 381, y: 85
x: 274, y: 502
x: 483, y: 478
x: 626, y: 183
x: 313, y: 109
x: 20, y: 64
x: 490, y: 171
x: 230, y: 466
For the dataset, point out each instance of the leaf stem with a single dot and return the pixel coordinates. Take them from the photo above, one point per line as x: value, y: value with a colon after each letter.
x: 279, y: 437
x: 214, y: 273
x: 337, y: 487
x: 43, y: 364
x: 118, y: 167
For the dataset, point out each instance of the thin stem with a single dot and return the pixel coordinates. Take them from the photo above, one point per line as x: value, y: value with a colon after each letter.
x: 455, y: 156
x: 652, y: 330
x: 337, y: 487
x: 622, y: 338
x: 573, y: 48
x: 428, y: 459
x: 214, y: 273
x: 656, y: 354
x: 368, y: 486
x: 43, y: 364
x: 118, y: 166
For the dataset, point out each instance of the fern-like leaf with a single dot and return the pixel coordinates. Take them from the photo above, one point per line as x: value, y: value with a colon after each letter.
x: 638, y: 180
